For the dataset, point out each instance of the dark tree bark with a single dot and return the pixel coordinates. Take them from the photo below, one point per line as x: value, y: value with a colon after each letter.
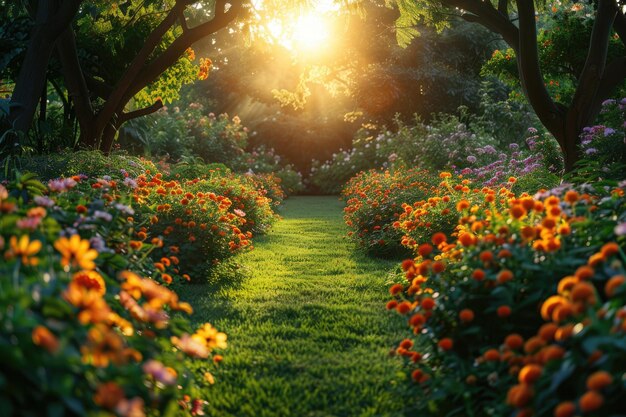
x: 51, y: 19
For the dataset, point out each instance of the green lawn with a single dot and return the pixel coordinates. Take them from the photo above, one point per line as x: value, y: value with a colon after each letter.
x: 307, y: 329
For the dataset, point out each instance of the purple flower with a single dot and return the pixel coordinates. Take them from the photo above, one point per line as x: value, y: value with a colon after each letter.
x: 608, y: 131
x: 591, y: 151
x: 514, y: 146
x: 471, y: 159
x: 620, y: 229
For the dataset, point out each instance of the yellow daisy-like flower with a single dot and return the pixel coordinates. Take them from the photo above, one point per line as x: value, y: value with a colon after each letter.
x: 76, y: 252
x: 25, y: 249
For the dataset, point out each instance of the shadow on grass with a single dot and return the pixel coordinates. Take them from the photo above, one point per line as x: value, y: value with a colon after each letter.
x: 211, y: 299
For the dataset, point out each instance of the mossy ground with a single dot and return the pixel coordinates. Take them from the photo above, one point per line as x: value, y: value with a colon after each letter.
x: 307, y: 330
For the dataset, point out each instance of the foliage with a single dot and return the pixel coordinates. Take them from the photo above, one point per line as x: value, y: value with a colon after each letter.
x: 466, y: 143
x: 475, y: 292
x: 196, y: 142
x: 565, y: 25
x: 92, y: 327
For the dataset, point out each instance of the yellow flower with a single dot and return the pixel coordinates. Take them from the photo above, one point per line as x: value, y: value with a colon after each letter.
x: 24, y: 249
x: 76, y: 251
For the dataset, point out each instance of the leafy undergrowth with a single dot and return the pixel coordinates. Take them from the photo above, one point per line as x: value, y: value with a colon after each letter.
x: 302, y: 314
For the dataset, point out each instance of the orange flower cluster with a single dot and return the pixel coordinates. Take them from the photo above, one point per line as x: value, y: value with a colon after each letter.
x: 483, y: 280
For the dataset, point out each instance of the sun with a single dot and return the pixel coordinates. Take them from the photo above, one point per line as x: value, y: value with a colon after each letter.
x: 304, y: 31
x: 310, y: 31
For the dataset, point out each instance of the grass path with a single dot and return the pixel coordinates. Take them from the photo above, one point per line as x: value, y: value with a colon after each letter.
x: 307, y: 330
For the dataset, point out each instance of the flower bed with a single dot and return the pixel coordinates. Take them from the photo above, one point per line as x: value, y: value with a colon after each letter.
x: 519, y: 306
x: 89, y: 323
x: 375, y: 201
x: 86, y: 324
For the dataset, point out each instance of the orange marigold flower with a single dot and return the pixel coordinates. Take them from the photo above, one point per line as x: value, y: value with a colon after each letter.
x: 416, y: 375
x: 492, y: 355
x: 599, y: 380
x: 445, y: 175
x: 565, y: 409
x: 504, y: 276
x: 396, y: 289
x: 81, y: 209
x: 478, y: 274
x: 547, y: 331
x: 590, y: 401
x: 504, y: 253
x: 404, y: 307
x: 550, y: 304
x: 439, y: 267
x: 529, y: 374
x: 583, y: 291
x: 408, y: 264
x: 517, y: 211
x: 514, y: 341
x: 584, y: 272
x: 428, y: 303
x: 391, y: 305
x: 406, y: 344
x: 596, y: 259
x: 504, y: 311
x: 43, y: 337
x: 467, y: 239
x: 446, y: 344
x: 566, y: 284
x: 519, y: 395
x: 486, y: 256
x: 610, y: 249
x: 462, y: 205
x: 613, y: 284
x: 76, y: 252
x: 108, y: 395
x: 571, y: 196
x: 425, y: 249
x: 552, y: 353
x: 417, y: 320
x: 438, y: 238
x: 466, y: 315
x: 533, y: 344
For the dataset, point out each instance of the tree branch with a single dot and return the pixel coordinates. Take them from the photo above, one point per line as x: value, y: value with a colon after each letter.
x: 116, y: 98
x: 174, y: 51
x: 124, y: 117
x: 486, y: 15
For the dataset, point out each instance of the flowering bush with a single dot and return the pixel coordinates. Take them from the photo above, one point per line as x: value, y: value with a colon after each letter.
x: 86, y: 325
x: 203, y: 221
x: 445, y: 143
x: 375, y: 201
x: 476, y: 295
x: 265, y: 161
x: 603, y: 146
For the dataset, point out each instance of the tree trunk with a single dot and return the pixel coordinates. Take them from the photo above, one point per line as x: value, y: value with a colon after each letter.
x: 30, y: 81
x: 52, y: 18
